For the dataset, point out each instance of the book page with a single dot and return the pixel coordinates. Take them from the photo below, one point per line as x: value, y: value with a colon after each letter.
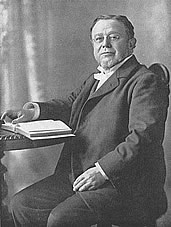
x: 44, y: 125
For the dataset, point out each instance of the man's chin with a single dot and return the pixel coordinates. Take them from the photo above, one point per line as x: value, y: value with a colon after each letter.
x: 108, y: 64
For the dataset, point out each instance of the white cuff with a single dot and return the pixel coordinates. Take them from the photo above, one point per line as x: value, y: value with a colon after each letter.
x: 101, y: 171
x: 35, y: 106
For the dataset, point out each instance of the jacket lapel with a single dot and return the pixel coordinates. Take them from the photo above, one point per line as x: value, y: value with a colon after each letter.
x: 123, y: 72
x: 109, y: 85
x: 126, y: 70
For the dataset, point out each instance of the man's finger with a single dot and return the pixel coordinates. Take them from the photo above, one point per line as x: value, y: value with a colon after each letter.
x: 3, y: 116
x: 9, y: 114
x: 78, y: 185
x: 84, y: 187
x: 79, y: 178
x: 18, y: 120
x: 91, y: 188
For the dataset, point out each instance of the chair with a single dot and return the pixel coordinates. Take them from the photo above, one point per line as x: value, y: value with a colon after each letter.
x: 162, y: 71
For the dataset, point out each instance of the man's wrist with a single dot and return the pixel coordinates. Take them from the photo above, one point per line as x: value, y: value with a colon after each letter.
x: 101, y: 171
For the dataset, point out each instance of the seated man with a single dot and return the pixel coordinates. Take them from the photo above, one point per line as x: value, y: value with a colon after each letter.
x: 114, y: 168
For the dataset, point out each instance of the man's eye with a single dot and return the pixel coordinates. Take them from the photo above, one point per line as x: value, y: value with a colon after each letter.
x: 114, y: 37
x: 99, y: 39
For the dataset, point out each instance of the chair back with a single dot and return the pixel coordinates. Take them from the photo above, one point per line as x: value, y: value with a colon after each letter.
x: 161, y: 70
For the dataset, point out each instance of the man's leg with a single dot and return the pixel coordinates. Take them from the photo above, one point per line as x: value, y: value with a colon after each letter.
x: 72, y: 212
x: 52, y: 203
x: 32, y: 206
x: 87, y: 208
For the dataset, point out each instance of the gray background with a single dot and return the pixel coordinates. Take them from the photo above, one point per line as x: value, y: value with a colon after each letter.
x: 63, y: 56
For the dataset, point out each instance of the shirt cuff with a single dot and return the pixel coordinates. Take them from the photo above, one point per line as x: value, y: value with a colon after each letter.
x: 35, y: 106
x: 101, y: 171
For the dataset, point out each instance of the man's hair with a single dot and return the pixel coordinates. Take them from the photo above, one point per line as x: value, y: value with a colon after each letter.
x: 128, y: 25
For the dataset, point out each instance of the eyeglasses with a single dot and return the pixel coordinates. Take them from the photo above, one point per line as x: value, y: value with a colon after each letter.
x: 100, y: 38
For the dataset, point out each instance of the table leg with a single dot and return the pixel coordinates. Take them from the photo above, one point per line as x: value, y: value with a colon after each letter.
x: 3, y: 186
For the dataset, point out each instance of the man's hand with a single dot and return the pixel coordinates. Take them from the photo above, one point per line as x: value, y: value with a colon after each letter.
x: 18, y: 116
x: 89, y: 180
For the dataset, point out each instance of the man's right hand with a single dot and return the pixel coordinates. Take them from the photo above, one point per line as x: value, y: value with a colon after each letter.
x: 22, y: 115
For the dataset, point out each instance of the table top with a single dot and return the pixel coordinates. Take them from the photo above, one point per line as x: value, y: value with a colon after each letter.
x: 14, y: 141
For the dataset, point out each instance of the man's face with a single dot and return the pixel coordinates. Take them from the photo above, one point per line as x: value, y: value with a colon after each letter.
x: 110, y: 42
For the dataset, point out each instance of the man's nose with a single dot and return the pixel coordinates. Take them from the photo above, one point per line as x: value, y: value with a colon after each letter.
x: 106, y: 42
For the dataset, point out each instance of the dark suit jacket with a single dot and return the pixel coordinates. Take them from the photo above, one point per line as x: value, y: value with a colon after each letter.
x: 122, y: 127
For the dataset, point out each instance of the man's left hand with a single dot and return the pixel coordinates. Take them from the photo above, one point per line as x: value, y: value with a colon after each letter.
x: 89, y: 180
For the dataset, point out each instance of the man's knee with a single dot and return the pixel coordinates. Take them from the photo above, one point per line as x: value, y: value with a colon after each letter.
x: 16, y: 202
x: 62, y: 216
x: 57, y: 220
x: 19, y: 209
x: 62, y: 221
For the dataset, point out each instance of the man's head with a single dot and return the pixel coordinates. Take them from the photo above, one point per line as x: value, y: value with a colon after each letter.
x: 113, y: 39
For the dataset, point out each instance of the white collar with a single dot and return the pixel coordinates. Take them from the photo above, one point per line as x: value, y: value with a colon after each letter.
x: 106, y: 74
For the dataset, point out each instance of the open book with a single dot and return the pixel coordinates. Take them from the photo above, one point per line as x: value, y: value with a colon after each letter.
x: 44, y: 129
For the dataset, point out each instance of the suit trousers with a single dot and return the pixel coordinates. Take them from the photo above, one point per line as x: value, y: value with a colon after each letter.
x: 51, y: 202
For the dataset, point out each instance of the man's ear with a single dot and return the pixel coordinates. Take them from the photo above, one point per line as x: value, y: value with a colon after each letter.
x: 132, y: 43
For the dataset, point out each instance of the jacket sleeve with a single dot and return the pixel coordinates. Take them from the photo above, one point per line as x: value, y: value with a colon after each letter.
x: 59, y: 109
x: 147, y: 116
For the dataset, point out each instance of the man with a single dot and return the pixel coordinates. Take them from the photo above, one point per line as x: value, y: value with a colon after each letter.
x: 114, y: 168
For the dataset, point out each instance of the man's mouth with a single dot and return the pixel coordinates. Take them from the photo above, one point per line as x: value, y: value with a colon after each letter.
x: 107, y: 53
